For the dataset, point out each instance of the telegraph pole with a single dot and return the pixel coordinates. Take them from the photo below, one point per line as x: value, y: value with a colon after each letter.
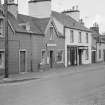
x: 6, y: 37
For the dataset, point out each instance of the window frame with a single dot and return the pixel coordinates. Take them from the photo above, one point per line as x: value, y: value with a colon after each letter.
x: 2, y: 27
x: 71, y: 36
x: 43, y: 59
x: 87, y: 37
x: 87, y: 54
x: 80, y: 37
x: 3, y: 58
x: 57, y: 56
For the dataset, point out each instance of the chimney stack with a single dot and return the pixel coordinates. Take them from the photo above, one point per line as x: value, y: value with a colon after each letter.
x: 40, y: 8
x: 74, y: 13
x: 13, y: 7
x: 95, y: 28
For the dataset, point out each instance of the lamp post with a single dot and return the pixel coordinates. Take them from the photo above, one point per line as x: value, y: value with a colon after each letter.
x: 6, y: 37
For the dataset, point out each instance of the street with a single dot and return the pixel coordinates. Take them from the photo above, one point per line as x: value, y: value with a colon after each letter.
x: 82, y: 88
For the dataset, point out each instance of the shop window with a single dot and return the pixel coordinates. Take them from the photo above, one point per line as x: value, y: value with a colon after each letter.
x: 1, y: 59
x: 71, y: 36
x: 80, y: 37
x: 87, y: 55
x: 59, y: 58
x: 43, y: 56
x: 99, y: 53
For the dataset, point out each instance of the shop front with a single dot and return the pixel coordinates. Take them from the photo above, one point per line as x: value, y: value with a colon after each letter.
x: 76, y: 55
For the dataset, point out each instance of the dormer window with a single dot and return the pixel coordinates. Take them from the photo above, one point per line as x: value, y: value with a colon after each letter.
x: 1, y: 27
x: 25, y: 26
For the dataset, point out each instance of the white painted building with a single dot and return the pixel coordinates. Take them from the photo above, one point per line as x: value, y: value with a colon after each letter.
x: 77, y: 39
x: 101, y: 49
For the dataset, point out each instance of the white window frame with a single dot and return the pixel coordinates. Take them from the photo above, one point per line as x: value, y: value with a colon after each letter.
x: 80, y: 37
x: 71, y: 36
x: 3, y: 63
x: 2, y: 27
x: 62, y: 56
x: 41, y: 56
x: 87, y: 37
x: 87, y: 54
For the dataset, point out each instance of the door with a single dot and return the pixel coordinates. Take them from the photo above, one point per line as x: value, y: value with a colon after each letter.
x: 72, y: 56
x: 104, y: 55
x: 80, y: 56
x: 22, y: 61
x: 93, y: 56
x: 51, y: 59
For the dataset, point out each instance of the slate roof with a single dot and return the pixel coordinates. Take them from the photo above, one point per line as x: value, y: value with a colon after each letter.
x: 37, y: 25
x: 69, y: 21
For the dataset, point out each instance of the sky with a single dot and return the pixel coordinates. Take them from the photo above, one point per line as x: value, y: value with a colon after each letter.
x: 90, y: 10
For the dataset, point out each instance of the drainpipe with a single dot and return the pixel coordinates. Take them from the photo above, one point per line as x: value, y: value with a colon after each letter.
x: 31, y: 51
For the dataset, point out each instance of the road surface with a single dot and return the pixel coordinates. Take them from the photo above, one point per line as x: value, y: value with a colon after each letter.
x: 83, y: 88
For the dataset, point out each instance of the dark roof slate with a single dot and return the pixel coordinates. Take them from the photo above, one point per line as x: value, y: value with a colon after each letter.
x: 37, y: 25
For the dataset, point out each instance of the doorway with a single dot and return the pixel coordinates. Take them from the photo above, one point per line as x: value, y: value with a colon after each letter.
x: 104, y: 55
x: 51, y: 58
x: 93, y: 56
x: 80, y: 56
x: 72, y: 56
x: 22, y: 61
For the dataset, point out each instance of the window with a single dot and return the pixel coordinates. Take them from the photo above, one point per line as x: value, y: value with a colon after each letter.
x: 1, y: 27
x: 80, y: 37
x: 87, y: 54
x: 71, y: 36
x: 24, y: 27
x: 51, y: 33
x: 2, y: 59
x: 59, y: 58
x: 87, y: 39
x: 99, y: 53
x: 43, y: 57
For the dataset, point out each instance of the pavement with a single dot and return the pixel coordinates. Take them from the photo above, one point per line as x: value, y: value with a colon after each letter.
x: 50, y: 73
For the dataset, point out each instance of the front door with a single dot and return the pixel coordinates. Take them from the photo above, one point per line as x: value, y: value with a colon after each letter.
x: 22, y: 61
x: 80, y: 56
x: 51, y: 59
x: 93, y: 56
x: 104, y: 55
x: 72, y: 55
